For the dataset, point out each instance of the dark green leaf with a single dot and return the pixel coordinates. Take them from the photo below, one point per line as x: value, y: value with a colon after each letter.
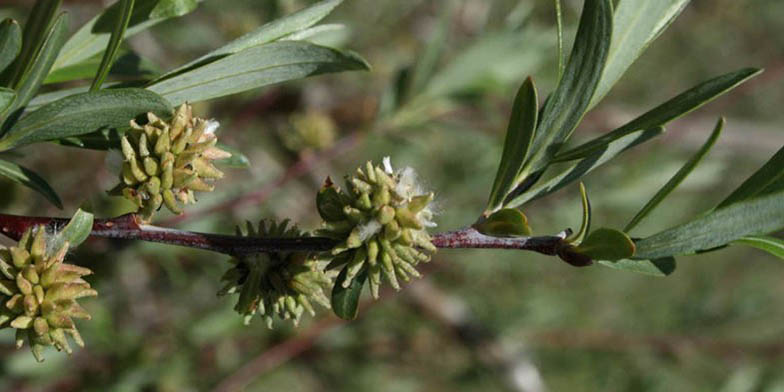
x: 29, y: 179
x: 760, y: 215
x: 577, y: 170
x: 7, y: 97
x: 328, y: 203
x: 345, y: 300
x: 41, y: 63
x: 685, y: 102
x: 10, y: 42
x: 508, y: 222
x: 677, y: 178
x: 569, y: 102
x: 113, y: 46
x: 636, y: 23
x: 519, y: 135
x: 772, y: 245
x: 770, y: 173
x: 75, y: 232
x: 256, y: 67
x: 267, y: 33
x: 36, y: 30
x: 128, y: 65
x: 607, y: 244
x: 659, y: 267
x: 84, y: 113
x: 237, y: 160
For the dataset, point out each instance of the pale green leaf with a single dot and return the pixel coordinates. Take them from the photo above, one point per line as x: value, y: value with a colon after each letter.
x: 769, y: 174
x: 237, y: 160
x: 659, y: 267
x: 256, y: 67
x: 29, y: 179
x: 772, y: 245
x: 75, y: 232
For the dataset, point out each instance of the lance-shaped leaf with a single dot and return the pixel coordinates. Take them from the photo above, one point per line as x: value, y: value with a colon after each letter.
x: 772, y: 245
x: 256, y: 67
x: 75, y: 232
x: 84, y: 113
x: 37, y: 28
x: 7, y: 97
x: 677, y: 178
x: 267, y: 33
x: 681, y: 104
x: 636, y: 23
x: 577, y: 170
x: 114, y: 43
x: 585, y: 225
x: 93, y: 37
x: 129, y: 66
x: 29, y: 179
x: 237, y: 160
x: 519, y: 135
x: 559, y: 37
x: 760, y: 215
x: 425, y: 67
x: 768, y: 175
x: 345, y: 300
x: 10, y: 42
x: 659, y: 267
x: 569, y: 102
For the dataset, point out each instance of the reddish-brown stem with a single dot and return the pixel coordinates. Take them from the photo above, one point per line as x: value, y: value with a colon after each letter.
x: 128, y: 227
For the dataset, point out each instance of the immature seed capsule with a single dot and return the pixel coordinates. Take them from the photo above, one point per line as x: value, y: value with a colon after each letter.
x: 166, y: 162
x: 278, y: 284
x: 38, y: 293
x: 381, y: 221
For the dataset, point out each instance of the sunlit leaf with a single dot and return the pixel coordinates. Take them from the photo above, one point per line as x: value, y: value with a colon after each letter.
x: 113, y: 46
x: 75, y: 232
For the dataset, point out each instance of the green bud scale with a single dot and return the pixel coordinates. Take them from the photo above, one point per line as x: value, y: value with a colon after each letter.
x: 381, y: 221
x: 281, y: 284
x: 165, y: 162
x: 38, y: 293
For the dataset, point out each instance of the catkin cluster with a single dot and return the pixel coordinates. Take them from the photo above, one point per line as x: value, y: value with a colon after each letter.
x: 38, y: 293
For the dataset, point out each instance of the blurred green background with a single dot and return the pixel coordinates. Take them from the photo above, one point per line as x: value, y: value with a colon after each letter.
x: 479, y: 320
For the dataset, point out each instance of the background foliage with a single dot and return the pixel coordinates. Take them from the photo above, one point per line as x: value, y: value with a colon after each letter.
x: 715, y: 324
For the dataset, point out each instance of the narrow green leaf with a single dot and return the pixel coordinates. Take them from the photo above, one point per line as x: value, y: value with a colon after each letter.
x: 256, y: 67
x: 93, y: 37
x: 29, y: 179
x: 677, y: 178
x: 7, y: 97
x: 659, y: 267
x: 128, y: 65
x: 559, y: 30
x: 770, y: 173
x: 577, y: 170
x: 569, y: 102
x: 345, y: 300
x: 681, y: 104
x: 772, y: 245
x: 607, y: 244
x: 76, y: 231
x: 36, y: 30
x: 508, y: 222
x: 585, y: 226
x: 10, y: 42
x: 84, y: 113
x: 267, y: 33
x: 426, y: 64
x: 114, y: 43
x: 29, y: 82
x: 237, y: 160
x: 519, y: 135
x: 636, y: 23
x: 760, y: 215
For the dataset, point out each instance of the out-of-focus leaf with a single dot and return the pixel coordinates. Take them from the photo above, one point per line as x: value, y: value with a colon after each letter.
x: 113, y: 46
x: 577, y: 170
x: 770, y: 173
x: 569, y: 102
x: 7, y: 97
x: 636, y: 23
x: 93, y: 37
x: 760, y: 215
x: 607, y: 244
x: 313, y: 34
x: 127, y: 65
x: 29, y: 179
x: 237, y: 160
x: 10, y: 42
x: 772, y: 245
x: 519, y: 135
x: 508, y: 222
x: 683, y: 103
x: 559, y: 30
x: 41, y: 63
x: 84, y: 113
x: 37, y: 29
x: 345, y: 300
x: 267, y: 33
x: 76, y: 231
x: 659, y: 267
x: 256, y: 67
x: 425, y: 66
x: 677, y: 178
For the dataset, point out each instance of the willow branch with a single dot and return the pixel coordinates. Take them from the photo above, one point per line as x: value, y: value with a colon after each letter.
x: 128, y: 227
